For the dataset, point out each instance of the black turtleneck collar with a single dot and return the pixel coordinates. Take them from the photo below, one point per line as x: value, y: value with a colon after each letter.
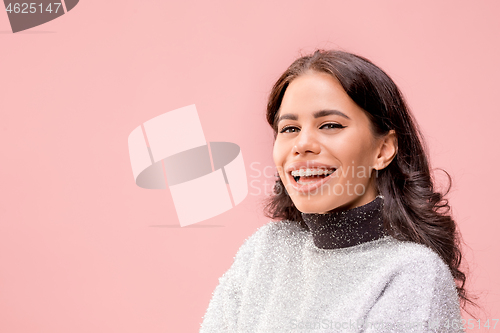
x: 339, y: 229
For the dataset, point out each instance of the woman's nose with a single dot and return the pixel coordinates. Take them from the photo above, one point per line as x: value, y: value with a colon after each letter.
x: 306, y: 142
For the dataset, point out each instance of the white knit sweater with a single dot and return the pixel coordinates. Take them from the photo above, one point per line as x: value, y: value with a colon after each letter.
x: 281, y: 282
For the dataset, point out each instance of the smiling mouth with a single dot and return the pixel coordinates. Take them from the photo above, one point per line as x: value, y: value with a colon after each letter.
x: 308, y: 178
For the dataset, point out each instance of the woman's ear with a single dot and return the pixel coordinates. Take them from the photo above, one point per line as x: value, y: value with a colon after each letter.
x: 387, y: 150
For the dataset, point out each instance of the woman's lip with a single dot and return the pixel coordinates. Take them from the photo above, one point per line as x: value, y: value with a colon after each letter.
x: 309, y: 165
x: 306, y: 188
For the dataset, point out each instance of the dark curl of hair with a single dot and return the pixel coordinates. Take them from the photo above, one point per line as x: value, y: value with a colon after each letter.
x: 413, y: 210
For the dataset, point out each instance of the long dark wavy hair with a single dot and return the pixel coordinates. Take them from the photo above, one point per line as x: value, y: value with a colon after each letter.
x: 413, y: 209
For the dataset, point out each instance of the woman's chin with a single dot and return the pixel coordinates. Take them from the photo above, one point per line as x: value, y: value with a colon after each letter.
x: 311, y: 208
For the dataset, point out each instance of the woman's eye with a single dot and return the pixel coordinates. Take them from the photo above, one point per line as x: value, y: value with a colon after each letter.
x: 332, y: 125
x: 291, y: 129
x: 285, y: 129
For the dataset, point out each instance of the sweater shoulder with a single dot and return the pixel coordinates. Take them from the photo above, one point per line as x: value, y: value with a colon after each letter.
x: 282, y: 228
x: 413, y: 255
x: 280, y: 232
x: 272, y: 235
x: 276, y: 230
x: 409, y: 252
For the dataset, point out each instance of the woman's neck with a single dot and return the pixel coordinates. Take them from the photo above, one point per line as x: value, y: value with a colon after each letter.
x: 340, y: 229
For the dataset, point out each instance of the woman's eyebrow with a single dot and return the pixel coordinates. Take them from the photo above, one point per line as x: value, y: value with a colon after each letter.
x: 317, y: 114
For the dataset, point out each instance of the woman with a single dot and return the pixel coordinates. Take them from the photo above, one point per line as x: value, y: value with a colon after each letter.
x: 363, y: 242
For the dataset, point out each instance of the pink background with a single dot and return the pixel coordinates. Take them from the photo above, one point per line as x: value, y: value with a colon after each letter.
x: 83, y: 249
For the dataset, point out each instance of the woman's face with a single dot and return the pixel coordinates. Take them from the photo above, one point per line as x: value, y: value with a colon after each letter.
x: 321, y: 128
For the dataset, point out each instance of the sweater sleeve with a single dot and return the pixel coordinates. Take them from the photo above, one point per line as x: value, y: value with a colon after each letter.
x: 420, y: 297
x: 223, y: 309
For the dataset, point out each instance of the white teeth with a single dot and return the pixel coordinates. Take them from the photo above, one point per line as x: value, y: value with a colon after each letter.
x: 311, y: 172
x: 302, y: 183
